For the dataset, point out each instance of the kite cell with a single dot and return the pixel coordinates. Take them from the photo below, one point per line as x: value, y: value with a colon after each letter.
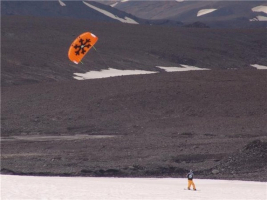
x: 80, y: 46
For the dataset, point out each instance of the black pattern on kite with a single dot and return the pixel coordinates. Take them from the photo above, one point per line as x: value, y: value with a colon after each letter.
x: 82, y: 46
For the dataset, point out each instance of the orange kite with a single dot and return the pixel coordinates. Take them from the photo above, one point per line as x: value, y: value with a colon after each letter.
x: 80, y: 46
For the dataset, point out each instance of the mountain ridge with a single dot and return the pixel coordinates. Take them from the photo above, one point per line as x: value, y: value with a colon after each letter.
x: 223, y: 13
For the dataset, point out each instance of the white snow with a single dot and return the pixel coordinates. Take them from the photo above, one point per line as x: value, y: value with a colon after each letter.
x: 88, y: 188
x: 125, y: 20
x: 181, y: 69
x: 205, y: 11
x: 114, y: 4
x: 259, y: 18
x: 260, y: 9
x: 61, y: 3
x: 110, y: 72
x: 259, y: 66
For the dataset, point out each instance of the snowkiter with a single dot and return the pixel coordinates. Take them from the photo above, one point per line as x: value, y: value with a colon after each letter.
x: 190, y: 177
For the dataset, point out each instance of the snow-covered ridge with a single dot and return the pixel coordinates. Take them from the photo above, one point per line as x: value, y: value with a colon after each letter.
x: 259, y: 18
x: 113, y: 5
x: 124, y: 20
x: 260, y: 9
x: 123, y: 1
x: 205, y: 11
x: 259, y: 66
x: 116, y: 3
x: 61, y: 3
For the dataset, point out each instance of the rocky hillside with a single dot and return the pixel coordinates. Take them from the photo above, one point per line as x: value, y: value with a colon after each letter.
x: 220, y: 14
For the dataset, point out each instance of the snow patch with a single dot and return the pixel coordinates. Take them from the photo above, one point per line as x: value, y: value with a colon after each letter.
x: 205, y: 11
x: 61, y: 3
x: 116, y: 3
x: 125, y: 20
x: 260, y: 9
x: 84, y: 188
x: 110, y: 72
x: 113, y: 5
x: 181, y: 69
x: 259, y: 18
x: 259, y: 66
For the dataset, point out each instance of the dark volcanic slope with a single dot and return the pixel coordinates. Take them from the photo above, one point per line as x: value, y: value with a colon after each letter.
x: 35, y: 49
x: 163, y: 124
x: 158, y: 125
x: 108, y: 105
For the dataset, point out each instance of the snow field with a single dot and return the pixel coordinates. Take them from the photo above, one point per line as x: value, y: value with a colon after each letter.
x: 85, y: 188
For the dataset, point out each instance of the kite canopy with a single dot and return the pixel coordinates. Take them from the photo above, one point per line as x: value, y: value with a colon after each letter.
x: 80, y: 46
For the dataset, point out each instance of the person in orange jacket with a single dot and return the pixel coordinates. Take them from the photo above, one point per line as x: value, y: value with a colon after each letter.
x: 190, y: 177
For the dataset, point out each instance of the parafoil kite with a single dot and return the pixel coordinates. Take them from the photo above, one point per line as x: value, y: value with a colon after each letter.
x: 80, y: 46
